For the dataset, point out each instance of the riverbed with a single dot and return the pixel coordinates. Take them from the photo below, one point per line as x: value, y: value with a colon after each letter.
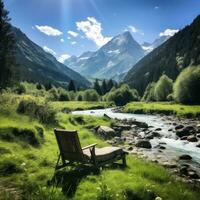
x: 174, y: 146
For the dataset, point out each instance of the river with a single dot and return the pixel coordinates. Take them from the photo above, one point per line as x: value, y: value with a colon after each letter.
x: 174, y: 147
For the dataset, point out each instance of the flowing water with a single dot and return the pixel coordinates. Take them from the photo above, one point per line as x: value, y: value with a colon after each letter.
x: 175, y: 147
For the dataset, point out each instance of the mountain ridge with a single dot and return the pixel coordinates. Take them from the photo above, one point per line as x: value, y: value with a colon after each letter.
x: 39, y: 66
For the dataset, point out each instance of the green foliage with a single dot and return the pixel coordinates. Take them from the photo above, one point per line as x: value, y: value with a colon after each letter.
x: 163, y: 88
x: 97, y: 87
x: 186, y: 87
x: 39, y: 86
x: 7, y: 43
x: 63, y: 96
x: 41, y: 112
x: 20, y: 89
x: 122, y: 95
x: 90, y: 95
x: 79, y: 97
x: 149, y: 92
x: 71, y: 86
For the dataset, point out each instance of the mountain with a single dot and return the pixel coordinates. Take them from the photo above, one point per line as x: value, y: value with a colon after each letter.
x: 178, y: 52
x: 111, y: 60
x: 148, y: 47
x: 37, y: 65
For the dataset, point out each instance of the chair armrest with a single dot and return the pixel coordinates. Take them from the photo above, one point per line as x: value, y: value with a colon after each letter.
x: 89, y: 146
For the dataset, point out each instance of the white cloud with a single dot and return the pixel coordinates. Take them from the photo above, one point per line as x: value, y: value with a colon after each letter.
x: 63, y: 57
x: 73, y: 42
x: 48, y: 30
x: 72, y: 33
x: 48, y: 50
x: 156, y: 7
x: 168, y: 32
x: 93, y: 31
x: 62, y: 40
x: 133, y: 29
x: 69, y: 38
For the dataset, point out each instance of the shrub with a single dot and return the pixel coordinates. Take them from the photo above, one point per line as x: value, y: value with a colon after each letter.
x: 20, y: 89
x: 90, y: 95
x: 149, y: 92
x: 41, y: 112
x: 163, y: 88
x: 122, y: 95
x: 53, y: 94
x: 186, y: 87
x: 64, y: 96
x: 39, y: 86
x: 79, y: 97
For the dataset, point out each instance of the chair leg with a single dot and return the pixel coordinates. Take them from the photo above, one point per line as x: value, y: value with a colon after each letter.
x: 56, y: 167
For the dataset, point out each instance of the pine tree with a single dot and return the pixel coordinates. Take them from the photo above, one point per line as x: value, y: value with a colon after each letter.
x: 110, y: 85
x: 71, y: 86
x: 97, y: 87
x: 104, y: 87
x: 7, y: 42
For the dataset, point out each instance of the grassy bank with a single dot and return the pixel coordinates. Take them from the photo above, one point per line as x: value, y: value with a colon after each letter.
x: 163, y: 108
x: 79, y: 105
x: 25, y: 168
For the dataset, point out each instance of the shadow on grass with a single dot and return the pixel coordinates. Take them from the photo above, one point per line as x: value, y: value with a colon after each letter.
x: 69, y: 179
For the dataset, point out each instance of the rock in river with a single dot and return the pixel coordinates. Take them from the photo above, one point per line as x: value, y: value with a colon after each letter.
x: 185, y: 157
x: 192, y: 138
x: 143, y: 144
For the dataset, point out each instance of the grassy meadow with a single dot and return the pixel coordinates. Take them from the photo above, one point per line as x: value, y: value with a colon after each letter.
x: 163, y: 108
x: 27, y: 162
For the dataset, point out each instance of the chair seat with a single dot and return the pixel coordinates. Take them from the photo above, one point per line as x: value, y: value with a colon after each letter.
x: 104, y: 154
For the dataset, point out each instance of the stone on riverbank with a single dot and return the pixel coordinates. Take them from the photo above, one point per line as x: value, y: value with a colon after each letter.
x: 143, y: 144
x: 185, y: 157
x: 106, y: 132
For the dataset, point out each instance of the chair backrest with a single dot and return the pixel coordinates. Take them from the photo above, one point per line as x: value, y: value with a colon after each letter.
x: 69, y: 145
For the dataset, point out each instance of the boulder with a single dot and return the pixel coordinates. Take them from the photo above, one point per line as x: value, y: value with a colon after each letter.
x: 106, y: 132
x: 186, y: 131
x: 158, y: 129
x: 143, y: 144
x: 193, y: 175
x: 184, y: 138
x: 192, y: 138
x: 198, y: 145
x: 180, y: 126
x: 185, y: 157
x: 140, y: 124
x: 198, y: 135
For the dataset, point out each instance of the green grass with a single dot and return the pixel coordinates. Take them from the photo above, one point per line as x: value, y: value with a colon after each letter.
x: 79, y: 105
x: 163, y: 107
x: 27, y: 169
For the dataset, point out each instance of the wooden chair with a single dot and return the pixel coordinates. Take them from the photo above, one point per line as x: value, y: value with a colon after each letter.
x: 71, y: 151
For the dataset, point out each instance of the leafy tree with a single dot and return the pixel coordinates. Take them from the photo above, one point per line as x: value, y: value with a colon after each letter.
x: 71, y: 86
x: 48, y: 86
x: 163, y: 88
x: 149, y: 92
x: 90, y: 95
x: 97, y: 87
x: 186, y: 87
x: 38, y: 86
x: 64, y: 96
x: 122, y: 95
x: 79, y: 97
x: 7, y: 42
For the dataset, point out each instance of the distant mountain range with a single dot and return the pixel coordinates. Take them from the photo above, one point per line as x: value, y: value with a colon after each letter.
x: 39, y: 66
x: 170, y: 58
x: 114, y: 59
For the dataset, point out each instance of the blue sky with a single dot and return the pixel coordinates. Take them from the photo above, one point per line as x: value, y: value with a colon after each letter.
x: 71, y: 27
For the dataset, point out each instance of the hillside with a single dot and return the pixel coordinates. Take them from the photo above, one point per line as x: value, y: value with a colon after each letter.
x: 170, y: 58
x: 39, y: 66
x: 111, y: 60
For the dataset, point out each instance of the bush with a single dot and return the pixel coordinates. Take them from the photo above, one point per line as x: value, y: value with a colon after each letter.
x: 90, y: 95
x: 122, y: 95
x: 20, y: 89
x: 64, y: 96
x: 41, y: 112
x: 79, y: 97
x: 53, y: 94
x: 39, y: 86
x: 149, y: 92
x: 163, y: 88
x: 186, y: 87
